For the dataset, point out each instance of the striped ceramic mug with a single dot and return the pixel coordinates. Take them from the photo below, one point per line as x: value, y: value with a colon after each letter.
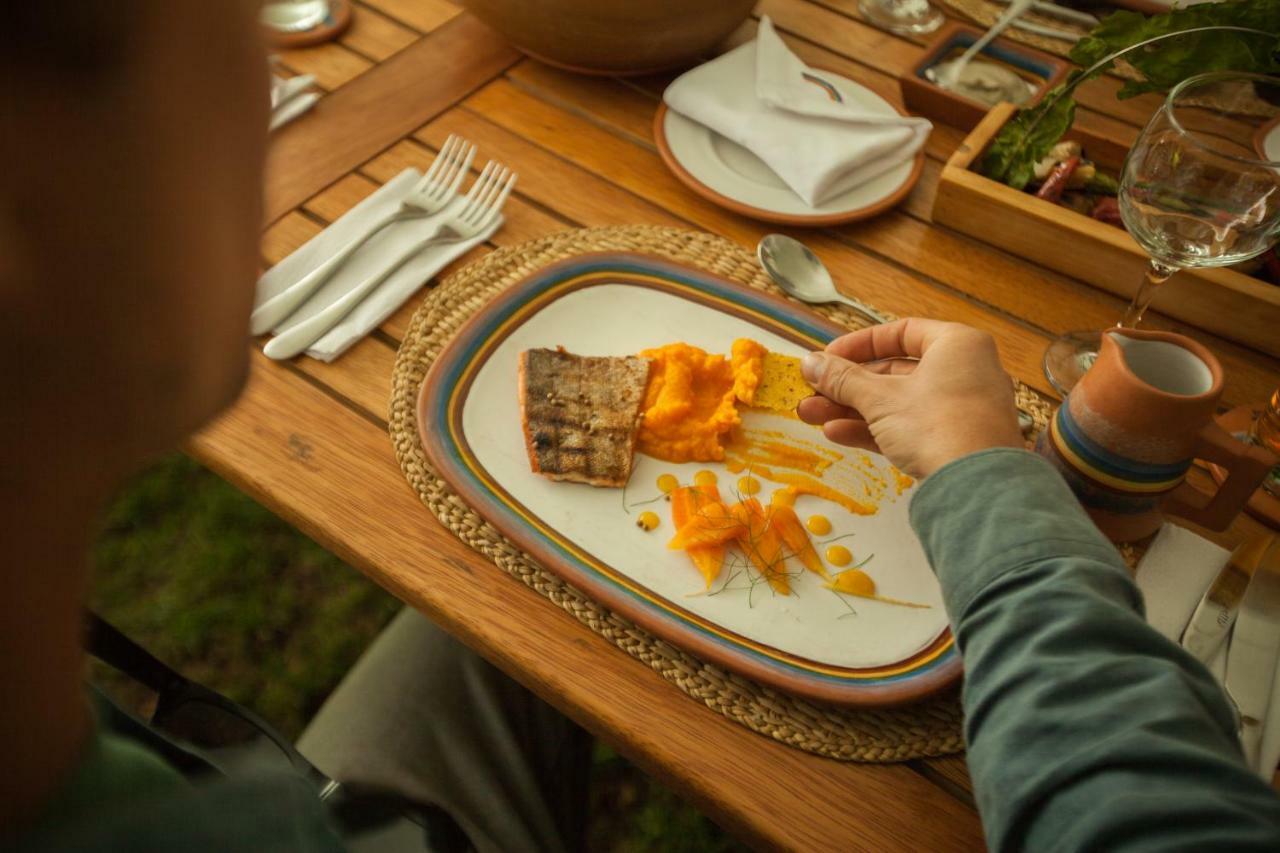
x: 1127, y: 434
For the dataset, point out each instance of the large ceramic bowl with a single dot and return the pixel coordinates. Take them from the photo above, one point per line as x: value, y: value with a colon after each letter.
x: 613, y: 36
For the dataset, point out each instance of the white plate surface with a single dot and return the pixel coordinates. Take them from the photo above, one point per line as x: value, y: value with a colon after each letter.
x: 617, y: 319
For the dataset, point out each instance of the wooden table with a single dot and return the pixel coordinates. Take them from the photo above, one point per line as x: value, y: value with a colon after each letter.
x: 310, y: 440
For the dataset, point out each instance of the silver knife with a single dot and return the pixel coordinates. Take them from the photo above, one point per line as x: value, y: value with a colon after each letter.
x: 1251, y: 658
x: 1216, y: 613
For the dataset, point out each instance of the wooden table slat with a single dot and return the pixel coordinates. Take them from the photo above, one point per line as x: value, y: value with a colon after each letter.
x: 352, y: 124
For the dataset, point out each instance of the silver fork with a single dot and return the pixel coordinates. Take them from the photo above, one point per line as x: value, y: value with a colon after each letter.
x: 429, y: 196
x: 480, y: 210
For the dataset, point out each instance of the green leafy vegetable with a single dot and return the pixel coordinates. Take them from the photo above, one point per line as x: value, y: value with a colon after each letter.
x: 1166, y: 64
x: 1032, y: 132
x: 1027, y: 138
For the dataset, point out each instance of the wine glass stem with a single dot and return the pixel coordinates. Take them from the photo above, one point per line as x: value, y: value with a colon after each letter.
x: 1157, y: 274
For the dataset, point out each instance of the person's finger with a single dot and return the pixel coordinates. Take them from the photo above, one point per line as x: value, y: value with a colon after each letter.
x: 819, y: 410
x: 905, y: 338
x: 838, y: 380
x: 850, y: 433
x: 892, y: 366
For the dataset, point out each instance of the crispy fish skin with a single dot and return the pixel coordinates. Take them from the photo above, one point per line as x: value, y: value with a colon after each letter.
x: 581, y: 414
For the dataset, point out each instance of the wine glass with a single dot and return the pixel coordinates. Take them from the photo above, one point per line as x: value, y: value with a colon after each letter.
x: 1196, y: 190
x: 910, y: 17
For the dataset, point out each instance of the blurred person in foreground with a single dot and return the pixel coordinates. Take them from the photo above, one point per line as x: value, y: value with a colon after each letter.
x: 133, y: 141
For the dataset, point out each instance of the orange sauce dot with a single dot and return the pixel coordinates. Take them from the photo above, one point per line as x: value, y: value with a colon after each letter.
x: 838, y: 555
x: 647, y: 521
x: 705, y: 478
x: 819, y: 525
x: 668, y: 483
x: 748, y: 485
x: 854, y: 582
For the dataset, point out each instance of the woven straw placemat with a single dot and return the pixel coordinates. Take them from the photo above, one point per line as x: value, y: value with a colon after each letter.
x: 928, y: 728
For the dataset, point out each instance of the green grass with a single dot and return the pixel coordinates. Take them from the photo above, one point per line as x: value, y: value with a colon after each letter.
x: 231, y: 596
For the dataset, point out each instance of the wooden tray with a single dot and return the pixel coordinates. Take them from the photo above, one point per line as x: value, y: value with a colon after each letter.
x: 620, y: 303
x: 1228, y: 303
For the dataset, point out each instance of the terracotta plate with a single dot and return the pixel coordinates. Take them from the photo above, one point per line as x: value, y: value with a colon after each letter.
x: 732, y: 177
x: 813, y: 643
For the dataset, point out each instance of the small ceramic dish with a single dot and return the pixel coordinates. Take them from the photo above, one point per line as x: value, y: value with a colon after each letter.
x: 729, y: 175
x: 923, y: 96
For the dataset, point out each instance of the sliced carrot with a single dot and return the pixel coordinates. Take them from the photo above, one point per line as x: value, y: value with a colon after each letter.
x: 762, y: 544
x: 792, y: 531
x: 712, y: 524
x: 686, y: 502
x: 766, y: 554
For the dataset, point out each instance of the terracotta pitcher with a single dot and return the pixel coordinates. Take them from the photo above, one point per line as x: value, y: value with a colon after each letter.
x: 1127, y: 433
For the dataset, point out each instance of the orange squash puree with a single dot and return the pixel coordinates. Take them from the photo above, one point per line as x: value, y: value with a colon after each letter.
x: 901, y: 481
x: 691, y: 399
x: 819, y: 525
x: 838, y: 555
x: 705, y: 478
x: 793, y: 465
x: 748, y: 485
x: 648, y: 521
x: 747, y: 360
x: 667, y: 483
x: 777, y: 454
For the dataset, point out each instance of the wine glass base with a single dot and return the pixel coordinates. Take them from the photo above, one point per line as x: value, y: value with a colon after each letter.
x: 1069, y: 357
x: 909, y: 17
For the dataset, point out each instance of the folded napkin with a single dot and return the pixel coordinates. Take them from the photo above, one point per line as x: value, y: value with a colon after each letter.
x: 761, y: 96
x: 289, y: 99
x: 1173, y: 576
x: 372, y: 258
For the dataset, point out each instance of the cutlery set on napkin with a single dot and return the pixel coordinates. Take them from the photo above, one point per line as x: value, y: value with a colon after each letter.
x: 1225, y: 610
x: 349, y: 278
x: 763, y: 97
x: 290, y: 98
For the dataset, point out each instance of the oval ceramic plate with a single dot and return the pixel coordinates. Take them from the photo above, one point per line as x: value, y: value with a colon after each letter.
x: 732, y: 177
x: 813, y: 643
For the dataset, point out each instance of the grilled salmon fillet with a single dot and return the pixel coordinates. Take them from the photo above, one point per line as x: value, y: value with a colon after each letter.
x: 581, y: 414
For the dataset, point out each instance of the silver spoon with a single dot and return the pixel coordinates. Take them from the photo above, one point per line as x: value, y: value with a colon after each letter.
x: 802, y: 275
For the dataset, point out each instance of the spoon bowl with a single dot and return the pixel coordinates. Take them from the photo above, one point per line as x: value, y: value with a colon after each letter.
x: 802, y: 275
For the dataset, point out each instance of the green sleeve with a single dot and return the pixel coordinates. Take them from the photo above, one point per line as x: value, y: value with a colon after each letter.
x: 1086, y: 729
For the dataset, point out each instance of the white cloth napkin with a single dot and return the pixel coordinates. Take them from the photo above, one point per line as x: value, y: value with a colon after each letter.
x: 290, y: 99
x: 371, y: 259
x: 758, y: 96
x: 1174, y: 575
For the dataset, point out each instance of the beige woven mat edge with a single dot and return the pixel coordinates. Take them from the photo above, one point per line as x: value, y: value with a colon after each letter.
x: 928, y: 728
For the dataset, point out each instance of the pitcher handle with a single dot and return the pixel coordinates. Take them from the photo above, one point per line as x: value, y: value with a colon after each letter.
x: 1247, y: 465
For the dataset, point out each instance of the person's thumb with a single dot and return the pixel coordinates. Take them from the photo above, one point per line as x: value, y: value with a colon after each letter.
x: 837, y: 379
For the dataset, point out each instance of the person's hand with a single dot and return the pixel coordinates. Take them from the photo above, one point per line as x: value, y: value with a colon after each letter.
x: 954, y: 400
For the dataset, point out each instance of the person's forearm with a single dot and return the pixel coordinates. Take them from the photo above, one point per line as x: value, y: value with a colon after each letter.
x: 1086, y: 728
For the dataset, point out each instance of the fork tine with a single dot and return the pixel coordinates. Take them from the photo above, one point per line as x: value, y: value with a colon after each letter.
x: 494, y: 209
x: 468, y: 156
x: 446, y: 151
x: 438, y: 188
x: 490, y: 192
x: 477, y: 189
